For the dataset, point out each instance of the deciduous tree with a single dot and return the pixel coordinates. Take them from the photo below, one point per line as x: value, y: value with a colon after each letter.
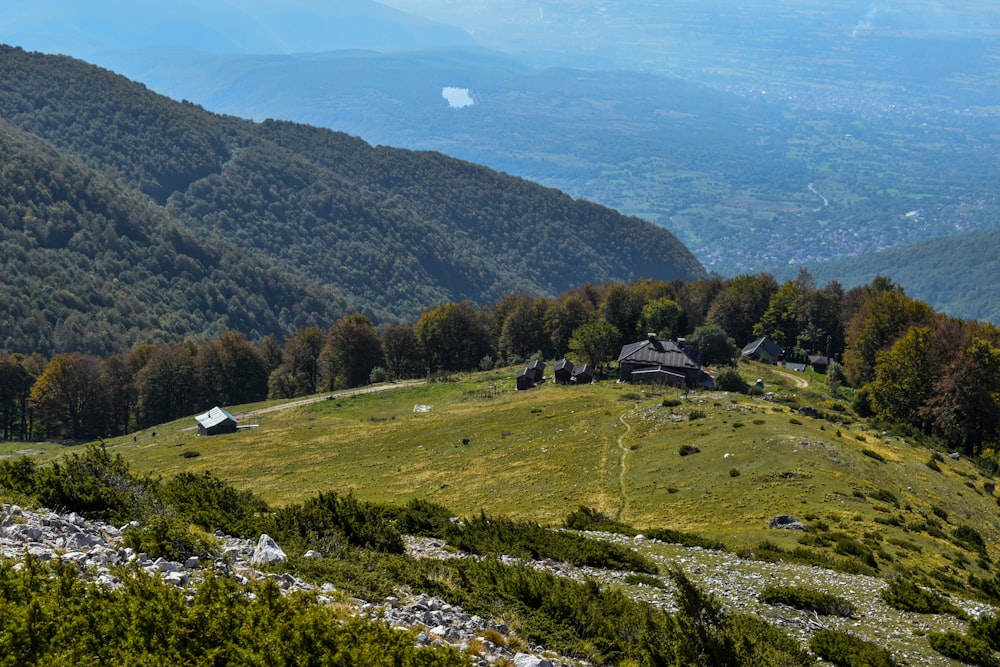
x: 352, y: 350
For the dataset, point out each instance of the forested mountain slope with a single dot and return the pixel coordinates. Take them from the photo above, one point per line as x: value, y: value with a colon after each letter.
x: 956, y: 275
x: 390, y: 231
x: 86, y: 264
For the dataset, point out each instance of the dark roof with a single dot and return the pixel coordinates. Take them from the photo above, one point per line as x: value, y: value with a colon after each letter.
x: 214, y: 417
x: 586, y: 369
x: 762, y: 345
x: 657, y: 352
x: 564, y: 363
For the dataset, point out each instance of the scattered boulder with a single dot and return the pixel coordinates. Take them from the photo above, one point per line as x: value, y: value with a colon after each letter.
x: 687, y: 450
x: 267, y: 551
x: 785, y: 522
x: 528, y: 660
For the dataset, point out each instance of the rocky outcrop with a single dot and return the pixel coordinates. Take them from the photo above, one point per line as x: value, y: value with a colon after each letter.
x: 95, y: 549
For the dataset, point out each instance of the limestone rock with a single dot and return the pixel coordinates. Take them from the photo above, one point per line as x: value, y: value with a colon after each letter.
x: 267, y: 551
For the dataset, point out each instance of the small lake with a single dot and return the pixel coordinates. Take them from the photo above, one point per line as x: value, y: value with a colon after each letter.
x: 458, y: 98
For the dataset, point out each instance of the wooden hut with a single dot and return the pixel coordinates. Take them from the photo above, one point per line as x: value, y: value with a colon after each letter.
x: 216, y: 421
x: 584, y: 374
x: 563, y: 371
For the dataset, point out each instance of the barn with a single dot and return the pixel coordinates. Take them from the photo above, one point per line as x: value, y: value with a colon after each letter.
x: 215, y: 422
x: 657, y: 361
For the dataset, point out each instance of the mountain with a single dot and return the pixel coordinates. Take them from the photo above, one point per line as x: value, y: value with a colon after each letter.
x: 954, y: 275
x: 287, y: 223
x: 252, y: 26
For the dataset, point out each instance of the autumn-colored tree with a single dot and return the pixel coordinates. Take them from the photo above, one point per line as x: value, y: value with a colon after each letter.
x: 903, y: 377
x: 68, y: 399
x: 352, y: 350
x: 596, y: 343
x: 880, y: 320
x: 964, y: 406
x: 741, y: 304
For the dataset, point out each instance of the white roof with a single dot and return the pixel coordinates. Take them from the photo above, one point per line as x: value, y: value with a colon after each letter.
x: 214, y: 417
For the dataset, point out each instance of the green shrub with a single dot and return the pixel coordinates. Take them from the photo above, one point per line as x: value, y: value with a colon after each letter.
x: 969, y: 537
x: 172, y: 539
x: 422, y: 517
x: 190, y: 454
x: 905, y: 595
x: 847, y: 650
x: 987, y: 628
x: 18, y: 475
x: 795, y: 422
x: 684, y: 539
x: 672, y: 402
x: 213, y: 504
x: 695, y: 413
x: 328, y: 523
x: 96, y: 485
x: 729, y: 379
x: 884, y: 496
x: 587, y: 518
x: 52, y: 617
x: 522, y: 539
x: 808, y: 600
x: 687, y: 450
x: 967, y: 650
x: 734, y: 472
x: 870, y: 453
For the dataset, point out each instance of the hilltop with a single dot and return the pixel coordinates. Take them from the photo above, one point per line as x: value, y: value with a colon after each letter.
x: 338, y: 225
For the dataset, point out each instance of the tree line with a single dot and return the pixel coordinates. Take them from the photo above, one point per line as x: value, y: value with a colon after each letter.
x: 906, y: 363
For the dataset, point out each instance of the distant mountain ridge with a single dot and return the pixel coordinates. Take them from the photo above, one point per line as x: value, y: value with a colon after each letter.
x: 954, y: 275
x: 335, y: 225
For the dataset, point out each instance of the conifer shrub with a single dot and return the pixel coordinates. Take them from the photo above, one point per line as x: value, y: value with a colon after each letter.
x: 96, y: 485
x: 965, y: 649
x: 329, y: 522
x: 807, y: 599
x: 905, y: 595
x: 588, y: 518
x: 986, y: 628
x: 18, y: 475
x: 214, y: 504
x: 871, y: 453
x: 847, y: 650
x: 172, y: 539
x: 423, y: 517
x: 523, y: 539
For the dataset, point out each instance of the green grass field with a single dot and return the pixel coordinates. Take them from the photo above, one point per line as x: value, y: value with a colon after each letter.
x: 542, y: 453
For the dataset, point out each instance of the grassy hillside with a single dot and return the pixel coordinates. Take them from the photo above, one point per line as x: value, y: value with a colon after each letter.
x: 541, y: 454
x: 390, y: 232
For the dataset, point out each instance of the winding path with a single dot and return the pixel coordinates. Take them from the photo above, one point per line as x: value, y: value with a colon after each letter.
x: 800, y: 382
x: 622, y: 467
